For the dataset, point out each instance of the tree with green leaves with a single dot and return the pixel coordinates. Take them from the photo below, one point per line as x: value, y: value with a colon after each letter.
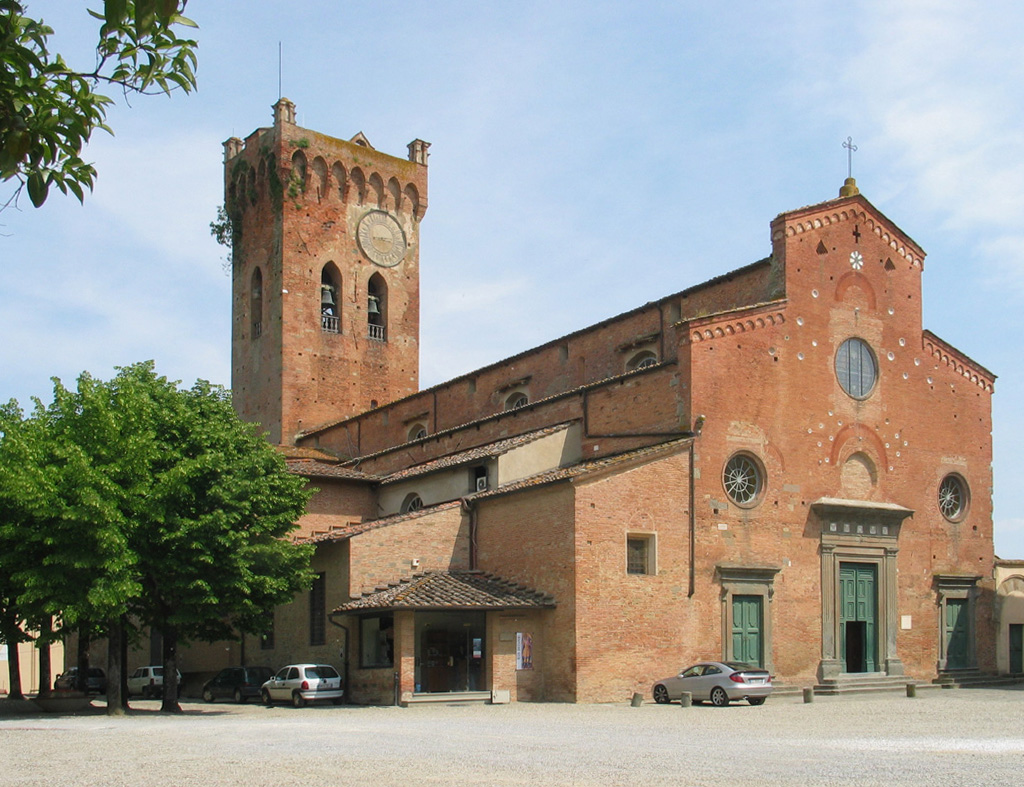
x: 166, y: 511
x: 48, y: 110
x: 23, y: 494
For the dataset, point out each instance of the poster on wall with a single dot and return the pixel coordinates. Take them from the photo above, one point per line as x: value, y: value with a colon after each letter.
x: 524, y: 651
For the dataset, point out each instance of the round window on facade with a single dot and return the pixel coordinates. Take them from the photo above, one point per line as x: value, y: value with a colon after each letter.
x: 856, y: 368
x: 953, y: 497
x: 743, y: 479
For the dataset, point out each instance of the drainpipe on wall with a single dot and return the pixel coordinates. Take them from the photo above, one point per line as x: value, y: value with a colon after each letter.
x: 698, y: 426
x: 469, y: 508
x: 693, y: 528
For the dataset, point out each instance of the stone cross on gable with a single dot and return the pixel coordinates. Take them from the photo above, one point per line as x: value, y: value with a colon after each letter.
x: 850, y: 148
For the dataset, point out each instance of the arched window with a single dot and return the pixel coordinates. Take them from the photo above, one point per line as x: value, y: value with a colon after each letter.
x: 297, y: 183
x: 320, y: 177
x: 256, y: 303
x: 641, y: 360
x: 340, y: 179
x: 412, y: 199
x: 377, y: 308
x: 417, y: 432
x: 376, y: 190
x: 412, y: 502
x: 330, y: 299
x: 394, y: 194
x: 516, y: 400
x: 358, y: 185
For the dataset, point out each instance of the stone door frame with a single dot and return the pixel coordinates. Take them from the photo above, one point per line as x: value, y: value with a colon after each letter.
x: 965, y: 588
x: 856, y: 531
x: 740, y: 580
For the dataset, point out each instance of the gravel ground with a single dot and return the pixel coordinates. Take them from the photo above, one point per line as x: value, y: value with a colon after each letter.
x: 956, y: 737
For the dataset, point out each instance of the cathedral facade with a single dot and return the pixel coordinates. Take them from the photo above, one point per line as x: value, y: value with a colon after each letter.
x: 779, y: 466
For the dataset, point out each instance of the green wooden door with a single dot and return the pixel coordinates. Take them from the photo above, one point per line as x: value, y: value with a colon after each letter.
x: 858, y: 624
x: 956, y: 633
x: 1017, y: 647
x: 746, y: 630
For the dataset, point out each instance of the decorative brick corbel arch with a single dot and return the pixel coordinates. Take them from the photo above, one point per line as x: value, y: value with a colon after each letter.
x: 858, y: 280
x: 857, y: 438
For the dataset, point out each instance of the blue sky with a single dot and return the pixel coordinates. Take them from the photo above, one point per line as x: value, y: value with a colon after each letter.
x: 586, y: 158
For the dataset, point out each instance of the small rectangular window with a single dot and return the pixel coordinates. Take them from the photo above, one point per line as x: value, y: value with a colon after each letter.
x: 318, y: 611
x: 640, y: 554
x: 377, y: 641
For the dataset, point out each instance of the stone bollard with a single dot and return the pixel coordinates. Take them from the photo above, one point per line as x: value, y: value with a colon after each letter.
x: 686, y: 699
x: 911, y: 689
x: 808, y: 695
x: 637, y: 701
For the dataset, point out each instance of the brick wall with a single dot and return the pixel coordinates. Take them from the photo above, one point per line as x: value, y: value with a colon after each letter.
x: 529, y: 538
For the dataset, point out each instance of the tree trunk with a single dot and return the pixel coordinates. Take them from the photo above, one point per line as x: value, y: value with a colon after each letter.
x: 82, y: 660
x: 11, y: 634
x: 45, y: 670
x: 14, y: 663
x: 170, y: 703
x: 114, y: 667
x: 124, y: 663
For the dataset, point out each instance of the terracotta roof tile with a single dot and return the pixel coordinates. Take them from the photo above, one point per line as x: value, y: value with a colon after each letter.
x: 312, y: 468
x: 475, y: 454
x: 302, y: 452
x: 343, y: 532
x: 451, y: 590
x: 583, y: 468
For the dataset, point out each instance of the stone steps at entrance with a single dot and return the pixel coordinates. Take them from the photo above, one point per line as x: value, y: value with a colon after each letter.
x: 449, y: 697
x: 863, y: 684
x: 965, y: 679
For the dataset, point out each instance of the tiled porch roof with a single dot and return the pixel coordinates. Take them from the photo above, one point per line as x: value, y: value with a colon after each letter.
x: 450, y: 590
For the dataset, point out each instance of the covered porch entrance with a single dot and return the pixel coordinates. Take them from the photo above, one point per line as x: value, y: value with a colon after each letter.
x: 449, y: 651
x: 439, y: 636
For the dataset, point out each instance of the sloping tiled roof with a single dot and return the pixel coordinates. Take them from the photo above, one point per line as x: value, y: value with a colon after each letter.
x: 584, y: 468
x: 487, y: 451
x: 303, y: 452
x: 312, y: 468
x: 341, y: 533
x: 451, y: 590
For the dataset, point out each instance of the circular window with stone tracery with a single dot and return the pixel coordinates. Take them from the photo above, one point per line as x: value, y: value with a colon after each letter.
x: 743, y: 479
x: 953, y: 497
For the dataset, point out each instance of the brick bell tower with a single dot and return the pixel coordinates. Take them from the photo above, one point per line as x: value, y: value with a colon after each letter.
x: 325, y: 274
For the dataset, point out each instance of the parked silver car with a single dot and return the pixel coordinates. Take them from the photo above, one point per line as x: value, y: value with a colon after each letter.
x: 149, y: 682
x: 302, y: 683
x: 718, y: 682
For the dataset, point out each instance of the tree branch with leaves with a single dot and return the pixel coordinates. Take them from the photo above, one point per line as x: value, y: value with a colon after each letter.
x: 48, y: 110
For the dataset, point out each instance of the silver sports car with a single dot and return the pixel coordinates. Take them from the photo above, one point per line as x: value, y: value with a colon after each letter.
x: 717, y: 682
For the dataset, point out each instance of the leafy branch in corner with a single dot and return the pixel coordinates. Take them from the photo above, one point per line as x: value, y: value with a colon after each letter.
x: 49, y: 110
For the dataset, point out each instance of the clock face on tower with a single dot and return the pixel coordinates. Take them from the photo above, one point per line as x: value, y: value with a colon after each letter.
x: 381, y: 238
